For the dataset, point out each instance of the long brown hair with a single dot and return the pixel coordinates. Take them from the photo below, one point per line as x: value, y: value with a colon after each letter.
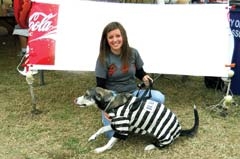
x: 105, y: 48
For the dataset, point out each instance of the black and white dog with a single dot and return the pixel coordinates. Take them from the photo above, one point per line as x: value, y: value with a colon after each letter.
x: 131, y: 114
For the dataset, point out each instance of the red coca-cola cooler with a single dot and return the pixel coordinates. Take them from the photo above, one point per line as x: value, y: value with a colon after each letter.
x: 43, y: 19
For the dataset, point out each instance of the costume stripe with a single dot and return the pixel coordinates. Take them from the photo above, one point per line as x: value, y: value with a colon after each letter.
x: 142, y: 119
x: 132, y: 128
x: 119, y: 110
x: 172, y: 135
x: 151, y: 110
x: 143, y: 132
x: 167, y: 128
x: 123, y: 111
x: 158, y: 117
x: 161, y: 119
x: 120, y: 121
x: 137, y: 130
x: 138, y: 113
x: 126, y: 112
x: 177, y: 132
x: 133, y: 116
x: 126, y: 109
x: 152, y: 117
x: 122, y: 128
x: 165, y: 124
x: 120, y: 124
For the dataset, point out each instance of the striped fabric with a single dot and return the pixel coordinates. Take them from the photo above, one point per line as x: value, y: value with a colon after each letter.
x: 149, y: 117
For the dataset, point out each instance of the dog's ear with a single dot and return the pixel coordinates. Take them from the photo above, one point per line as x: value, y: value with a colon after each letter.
x: 90, y: 92
x: 119, y: 99
x: 103, y: 94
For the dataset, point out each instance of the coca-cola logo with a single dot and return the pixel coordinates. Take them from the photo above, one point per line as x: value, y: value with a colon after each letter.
x: 41, y: 22
x: 42, y: 26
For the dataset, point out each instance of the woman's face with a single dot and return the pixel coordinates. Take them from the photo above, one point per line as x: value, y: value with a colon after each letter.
x: 115, y: 41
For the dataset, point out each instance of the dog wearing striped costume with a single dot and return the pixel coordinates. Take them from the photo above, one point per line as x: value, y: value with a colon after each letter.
x: 132, y: 114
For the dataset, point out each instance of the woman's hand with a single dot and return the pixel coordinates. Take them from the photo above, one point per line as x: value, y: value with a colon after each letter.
x: 146, y: 80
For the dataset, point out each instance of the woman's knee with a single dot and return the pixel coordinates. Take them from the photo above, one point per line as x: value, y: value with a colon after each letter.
x: 155, y: 95
x: 158, y: 96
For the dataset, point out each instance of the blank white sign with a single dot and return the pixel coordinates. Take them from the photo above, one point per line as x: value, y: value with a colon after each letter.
x: 172, y: 39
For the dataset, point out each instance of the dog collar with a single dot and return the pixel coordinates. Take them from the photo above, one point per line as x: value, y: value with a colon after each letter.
x: 108, y: 105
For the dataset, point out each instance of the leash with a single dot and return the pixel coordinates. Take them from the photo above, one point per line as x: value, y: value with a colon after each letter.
x: 107, y: 107
x: 143, y: 97
x: 142, y: 85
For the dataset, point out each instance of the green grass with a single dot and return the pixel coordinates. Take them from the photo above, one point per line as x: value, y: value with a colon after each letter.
x: 62, y: 129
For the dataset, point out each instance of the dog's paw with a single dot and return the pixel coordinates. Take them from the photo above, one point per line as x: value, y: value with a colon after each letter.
x: 149, y: 147
x: 93, y: 137
x: 100, y: 150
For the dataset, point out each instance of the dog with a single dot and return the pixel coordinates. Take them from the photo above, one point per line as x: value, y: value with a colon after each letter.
x: 138, y: 115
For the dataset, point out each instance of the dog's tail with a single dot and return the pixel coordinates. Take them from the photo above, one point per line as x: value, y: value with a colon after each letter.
x: 191, y: 132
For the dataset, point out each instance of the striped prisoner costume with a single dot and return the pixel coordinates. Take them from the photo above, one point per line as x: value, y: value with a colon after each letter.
x: 147, y: 117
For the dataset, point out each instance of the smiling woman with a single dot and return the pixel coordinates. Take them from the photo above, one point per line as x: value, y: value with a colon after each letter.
x: 119, y: 65
x: 115, y: 41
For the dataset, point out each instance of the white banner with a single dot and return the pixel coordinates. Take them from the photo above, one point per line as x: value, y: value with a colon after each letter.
x: 172, y: 39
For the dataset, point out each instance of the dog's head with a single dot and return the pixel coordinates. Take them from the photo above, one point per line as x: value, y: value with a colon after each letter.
x: 103, y: 98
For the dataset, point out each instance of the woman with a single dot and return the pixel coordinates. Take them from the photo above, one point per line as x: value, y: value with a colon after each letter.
x: 118, y: 65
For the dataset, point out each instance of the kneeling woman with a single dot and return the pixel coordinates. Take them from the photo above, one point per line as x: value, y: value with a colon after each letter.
x: 118, y: 65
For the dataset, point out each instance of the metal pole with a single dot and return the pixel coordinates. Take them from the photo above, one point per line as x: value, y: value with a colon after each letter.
x: 30, y: 79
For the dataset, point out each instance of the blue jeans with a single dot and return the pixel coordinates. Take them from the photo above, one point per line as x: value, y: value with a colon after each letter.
x: 156, y: 96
